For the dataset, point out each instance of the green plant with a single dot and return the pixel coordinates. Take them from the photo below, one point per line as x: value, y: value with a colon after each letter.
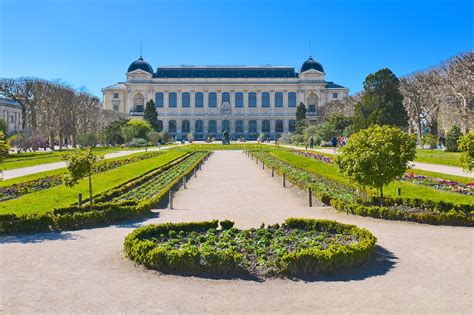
x: 430, y: 140
x: 466, y: 146
x: 150, y: 115
x: 4, y: 147
x: 300, y: 118
x: 226, y: 224
x: 452, y: 138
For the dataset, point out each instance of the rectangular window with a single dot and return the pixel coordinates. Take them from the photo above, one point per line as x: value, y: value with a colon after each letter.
x: 116, y: 108
x: 252, y: 99
x: 226, y: 97
x: 185, y: 100
x: 116, y: 95
x: 239, y: 99
x: 278, y: 99
x: 292, y: 99
x: 334, y: 95
x: 172, y: 99
x: 199, y: 99
x: 159, y: 99
x: 212, y: 99
x: 265, y: 99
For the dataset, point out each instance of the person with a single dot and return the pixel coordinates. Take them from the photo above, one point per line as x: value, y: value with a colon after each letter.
x: 159, y: 144
x: 311, y: 142
x: 334, y: 144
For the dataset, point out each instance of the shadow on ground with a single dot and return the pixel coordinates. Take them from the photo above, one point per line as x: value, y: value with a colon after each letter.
x: 39, y: 237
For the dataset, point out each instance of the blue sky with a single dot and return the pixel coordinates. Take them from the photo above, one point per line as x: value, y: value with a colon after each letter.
x: 91, y: 43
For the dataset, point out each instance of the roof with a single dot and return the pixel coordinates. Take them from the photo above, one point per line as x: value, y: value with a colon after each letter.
x: 9, y: 102
x: 311, y: 64
x: 332, y: 85
x: 116, y: 86
x: 225, y: 72
x: 140, y: 64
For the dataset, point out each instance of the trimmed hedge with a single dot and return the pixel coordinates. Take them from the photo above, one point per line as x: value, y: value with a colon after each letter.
x: 144, y: 246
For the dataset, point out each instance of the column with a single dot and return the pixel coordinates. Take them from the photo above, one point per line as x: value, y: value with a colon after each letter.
x: 219, y: 100
x: 246, y: 100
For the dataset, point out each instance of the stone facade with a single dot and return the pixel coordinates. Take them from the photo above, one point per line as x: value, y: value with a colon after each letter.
x: 206, y: 100
x: 10, y: 112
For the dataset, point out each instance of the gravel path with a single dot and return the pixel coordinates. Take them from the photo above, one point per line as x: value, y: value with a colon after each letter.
x: 419, y: 268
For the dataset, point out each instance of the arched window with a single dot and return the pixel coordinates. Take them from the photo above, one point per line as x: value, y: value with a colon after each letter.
x: 239, y: 99
x: 199, y: 99
x: 185, y: 100
x: 212, y: 126
x: 172, y: 126
x: 279, y: 126
x: 265, y: 99
x: 160, y: 125
x: 138, y: 103
x: 185, y: 126
x: 278, y: 99
x: 199, y: 126
x: 226, y: 97
x: 212, y: 99
x: 172, y: 99
x: 225, y: 125
x: 239, y: 126
x: 266, y: 125
x: 252, y: 99
x: 159, y: 101
x: 312, y: 101
x: 292, y: 125
x: 292, y: 99
x: 252, y: 126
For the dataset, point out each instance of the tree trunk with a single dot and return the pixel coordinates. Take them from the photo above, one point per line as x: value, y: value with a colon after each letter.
x: 90, y: 188
x: 381, y: 196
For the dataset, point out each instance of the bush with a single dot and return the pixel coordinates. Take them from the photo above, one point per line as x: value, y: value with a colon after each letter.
x: 466, y: 146
x: 452, y: 138
x: 226, y: 224
x: 285, y: 138
x: 137, y: 142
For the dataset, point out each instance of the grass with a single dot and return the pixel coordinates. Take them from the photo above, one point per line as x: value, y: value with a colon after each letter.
x: 438, y: 157
x: 219, y: 146
x: 409, y: 190
x: 62, y: 196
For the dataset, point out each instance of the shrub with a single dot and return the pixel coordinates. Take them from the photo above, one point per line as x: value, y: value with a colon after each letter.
x: 452, y: 138
x: 137, y: 142
x: 466, y: 146
x: 226, y: 224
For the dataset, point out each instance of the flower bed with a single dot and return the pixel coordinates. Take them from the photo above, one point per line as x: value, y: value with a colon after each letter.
x: 299, y: 247
x: 16, y: 190
x: 439, y: 183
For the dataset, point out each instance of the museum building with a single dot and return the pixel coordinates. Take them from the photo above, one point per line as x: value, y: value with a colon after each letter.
x: 207, y: 100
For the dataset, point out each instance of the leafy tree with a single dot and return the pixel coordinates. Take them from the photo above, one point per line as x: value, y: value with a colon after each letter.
x: 165, y: 137
x: 300, y: 118
x: 3, y: 126
x: 381, y: 102
x: 113, y: 131
x: 135, y: 128
x: 80, y: 165
x: 452, y: 138
x: 4, y: 148
x: 431, y: 140
x: 336, y: 126
x: 151, y: 115
x: 376, y: 156
x: 466, y: 146
x: 153, y: 137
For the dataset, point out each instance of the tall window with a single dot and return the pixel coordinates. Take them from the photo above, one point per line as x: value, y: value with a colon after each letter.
x: 335, y: 95
x: 226, y: 97
x: 292, y: 99
x: 265, y: 99
x: 266, y: 125
x: 199, y: 126
x: 239, y: 99
x: 252, y: 99
x: 212, y: 126
x: 292, y: 125
x: 279, y: 126
x: 116, y: 95
x: 185, y: 126
x: 160, y: 126
x: 278, y: 99
x: 185, y: 99
x: 212, y: 99
x: 199, y: 99
x: 172, y: 126
x: 172, y: 99
x: 239, y: 126
x: 225, y: 125
x: 252, y: 126
x: 159, y: 99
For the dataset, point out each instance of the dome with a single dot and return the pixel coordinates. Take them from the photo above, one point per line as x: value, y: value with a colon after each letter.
x: 140, y: 64
x: 311, y: 64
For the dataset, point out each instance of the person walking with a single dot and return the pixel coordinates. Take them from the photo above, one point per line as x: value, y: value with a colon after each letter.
x: 334, y: 144
x: 311, y: 142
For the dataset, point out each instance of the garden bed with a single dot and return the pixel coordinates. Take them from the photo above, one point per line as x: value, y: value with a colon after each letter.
x: 298, y: 247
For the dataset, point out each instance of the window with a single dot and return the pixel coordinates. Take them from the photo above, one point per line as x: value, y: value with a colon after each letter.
x: 278, y: 99
x: 199, y: 99
x: 252, y: 126
x: 159, y: 99
x: 279, y: 126
x: 265, y: 99
x: 185, y: 126
x: 226, y: 97
x: 116, y: 95
x: 212, y: 126
x: 185, y: 100
x: 334, y: 95
x: 292, y: 99
x: 172, y: 126
x: 160, y: 126
x: 199, y: 126
x: 239, y: 126
x: 172, y: 99
x: 239, y: 99
x: 116, y: 107
x: 252, y: 99
x: 266, y: 126
x: 292, y: 126
x: 212, y: 99
x: 138, y: 102
x: 225, y: 125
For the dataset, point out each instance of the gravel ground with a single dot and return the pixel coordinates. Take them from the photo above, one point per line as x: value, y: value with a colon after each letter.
x: 417, y: 269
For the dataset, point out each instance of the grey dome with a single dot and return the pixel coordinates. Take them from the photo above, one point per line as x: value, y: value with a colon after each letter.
x: 140, y: 64
x: 311, y: 64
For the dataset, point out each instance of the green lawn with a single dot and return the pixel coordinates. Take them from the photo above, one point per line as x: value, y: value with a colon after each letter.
x: 61, y: 196
x: 438, y: 157
x: 409, y: 190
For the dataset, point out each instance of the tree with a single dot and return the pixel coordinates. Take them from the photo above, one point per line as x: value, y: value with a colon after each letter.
x: 376, y: 156
x: 113, y: 131
x: 135, y: 128
x: 151, y: 115
x: 336, y: 126
x: 466, y: 146
x: 3, y: 126
x: 153, y: 137
x: 381, y: 102
x: 452, y: 138
x: 80, y: 165
x: 300, y: 118
x: 4, y: 148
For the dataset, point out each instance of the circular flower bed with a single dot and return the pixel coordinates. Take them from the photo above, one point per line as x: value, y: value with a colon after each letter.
x: 298, y: 247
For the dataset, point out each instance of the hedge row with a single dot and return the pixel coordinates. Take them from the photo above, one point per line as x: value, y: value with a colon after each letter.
x: 142, y: 246
x: 75, y: 217
x: 431, y: 212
